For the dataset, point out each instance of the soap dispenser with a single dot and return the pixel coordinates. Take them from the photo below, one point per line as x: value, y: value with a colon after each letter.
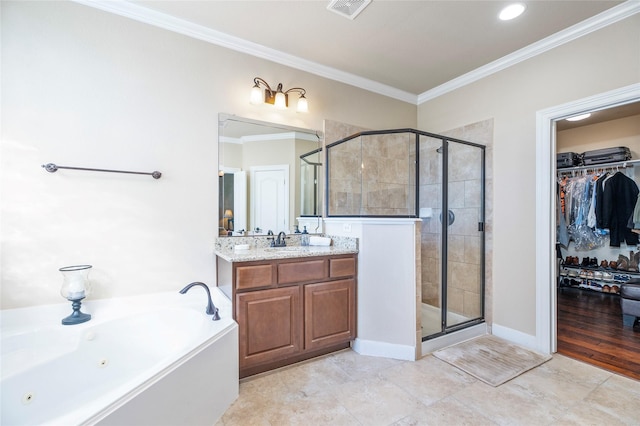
x: 304, y: 237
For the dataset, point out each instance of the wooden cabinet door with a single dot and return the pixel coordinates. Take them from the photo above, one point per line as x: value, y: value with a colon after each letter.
x: 330, y: 313
x: 270, y: 324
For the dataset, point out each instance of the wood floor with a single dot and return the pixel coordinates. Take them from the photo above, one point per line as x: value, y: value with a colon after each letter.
x: 590, y: 330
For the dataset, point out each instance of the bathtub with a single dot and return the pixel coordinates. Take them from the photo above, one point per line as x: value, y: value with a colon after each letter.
x: 151, y: 359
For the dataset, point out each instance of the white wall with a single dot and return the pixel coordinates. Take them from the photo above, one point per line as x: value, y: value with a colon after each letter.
x: 584, y: 67
x: 386, y: 293
x: 82, y: 87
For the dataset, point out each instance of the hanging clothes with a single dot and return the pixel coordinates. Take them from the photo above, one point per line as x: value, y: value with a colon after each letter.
x: 634, y: 222
x: 619, y: 198
x: 579, y: 212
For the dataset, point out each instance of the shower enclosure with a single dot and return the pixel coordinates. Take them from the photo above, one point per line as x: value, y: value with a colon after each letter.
x: 310, y: 188
x: 408, y: 173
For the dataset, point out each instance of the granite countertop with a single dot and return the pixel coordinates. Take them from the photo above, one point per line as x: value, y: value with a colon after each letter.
x: 259, y: 249
x: 270, y: 253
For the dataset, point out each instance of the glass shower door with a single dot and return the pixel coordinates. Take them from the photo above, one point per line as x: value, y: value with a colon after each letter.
x: 452, y: 234
x: 464, y: 296
x: 430, y: 208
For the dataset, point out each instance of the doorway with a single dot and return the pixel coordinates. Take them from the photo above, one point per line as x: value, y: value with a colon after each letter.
x: 270, y: 197
x: 546, y: 297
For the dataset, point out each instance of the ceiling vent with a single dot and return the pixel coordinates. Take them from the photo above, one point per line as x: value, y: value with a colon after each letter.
x: 348, y: 8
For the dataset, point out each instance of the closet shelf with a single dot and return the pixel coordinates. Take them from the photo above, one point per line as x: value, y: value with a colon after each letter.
x: 587, y: 279
x: 603, y: 166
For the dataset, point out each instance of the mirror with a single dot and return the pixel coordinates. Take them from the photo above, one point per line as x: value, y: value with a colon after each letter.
x: 269, y: 177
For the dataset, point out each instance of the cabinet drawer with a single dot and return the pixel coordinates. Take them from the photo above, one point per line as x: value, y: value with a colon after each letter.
x: 344, y: 267
x: 254, y: 276
x: 310, y: 270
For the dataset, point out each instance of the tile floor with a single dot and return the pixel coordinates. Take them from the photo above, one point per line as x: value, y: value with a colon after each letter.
x: 346, y: 388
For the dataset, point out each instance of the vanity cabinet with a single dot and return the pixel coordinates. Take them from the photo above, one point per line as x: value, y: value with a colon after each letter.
x: 293, y: 309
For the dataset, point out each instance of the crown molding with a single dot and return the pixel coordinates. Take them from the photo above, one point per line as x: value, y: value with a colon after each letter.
x: 608, y: 17
x: 200, y: 32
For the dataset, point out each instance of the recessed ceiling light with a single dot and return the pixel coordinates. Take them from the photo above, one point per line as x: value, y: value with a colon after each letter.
x: 512, y: 11
x: 579, y: 117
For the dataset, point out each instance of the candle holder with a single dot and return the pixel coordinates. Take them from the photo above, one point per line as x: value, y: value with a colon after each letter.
x: 75, y: 287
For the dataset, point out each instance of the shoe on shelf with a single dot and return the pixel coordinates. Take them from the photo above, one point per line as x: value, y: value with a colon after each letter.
x: 613, y: 264
x: 621, y: 277
x: 607, y: 276
x: 606, y: 288
x: 633, y: 263
x: 623, y: 262
x: 604, y: 264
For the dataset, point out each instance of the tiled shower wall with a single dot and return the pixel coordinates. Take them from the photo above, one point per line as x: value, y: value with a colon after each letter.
x: 464, y: 198
x: 373, y: 175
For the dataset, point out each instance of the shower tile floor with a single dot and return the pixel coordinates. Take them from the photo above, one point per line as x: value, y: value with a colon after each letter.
x: 346, y: 388
x: 432, y: 321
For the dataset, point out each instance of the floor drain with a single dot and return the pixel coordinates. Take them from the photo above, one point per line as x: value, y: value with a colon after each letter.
x: 103, y: 363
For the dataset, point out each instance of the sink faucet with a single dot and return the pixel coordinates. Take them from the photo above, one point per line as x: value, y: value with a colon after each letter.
x: 280, y: 241
x: 211, y: 309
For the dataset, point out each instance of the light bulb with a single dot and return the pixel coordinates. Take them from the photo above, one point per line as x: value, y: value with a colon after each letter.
x: 281, y: 101
x: 303, y: 106
x: 256, y: 95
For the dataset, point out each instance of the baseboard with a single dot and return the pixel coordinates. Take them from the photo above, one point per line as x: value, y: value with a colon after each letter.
x: 384, y: 350
x: 517, y: 337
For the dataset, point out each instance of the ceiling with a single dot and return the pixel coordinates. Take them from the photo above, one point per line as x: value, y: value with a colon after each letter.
x: 408, y: 46
x: 600, y: 116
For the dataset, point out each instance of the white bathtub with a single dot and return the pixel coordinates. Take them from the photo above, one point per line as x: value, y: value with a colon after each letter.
x: 152, y: 359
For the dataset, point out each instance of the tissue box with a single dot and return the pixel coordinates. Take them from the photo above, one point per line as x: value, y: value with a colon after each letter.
x: 319, y: 241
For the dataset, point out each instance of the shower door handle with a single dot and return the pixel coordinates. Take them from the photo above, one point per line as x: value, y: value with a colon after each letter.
x: 451, y: 217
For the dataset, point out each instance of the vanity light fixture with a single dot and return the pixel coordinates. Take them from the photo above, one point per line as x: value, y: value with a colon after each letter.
x: 277, y: 97
x: 512, y: 11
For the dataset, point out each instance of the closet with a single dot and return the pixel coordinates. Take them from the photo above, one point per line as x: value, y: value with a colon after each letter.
x: 595, y: 252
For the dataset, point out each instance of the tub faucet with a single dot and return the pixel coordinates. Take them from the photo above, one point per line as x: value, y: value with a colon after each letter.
x: 211, y: 309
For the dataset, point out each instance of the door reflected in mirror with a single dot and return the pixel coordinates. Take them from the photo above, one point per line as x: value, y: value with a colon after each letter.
x: 269, y: 177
